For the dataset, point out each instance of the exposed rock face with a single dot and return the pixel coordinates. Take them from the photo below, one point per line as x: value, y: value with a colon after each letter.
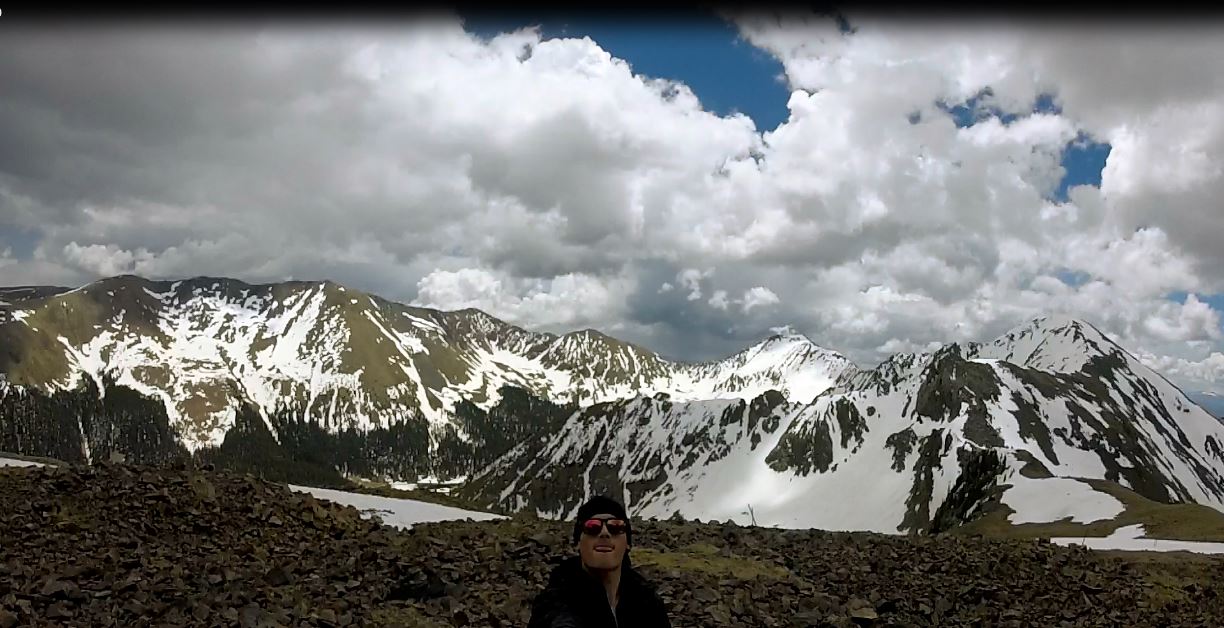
x: 919, y: 444
x: 122, y: 546
x: 655, y: 454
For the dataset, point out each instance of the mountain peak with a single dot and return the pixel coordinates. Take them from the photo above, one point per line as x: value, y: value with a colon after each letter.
x: 788, y: 338
x: 595, y: 340
x: 1061, y: 325
x: 116, y: 282
x: 594, y: 335
x: 1060, y: 322
x: 477, y: 316
x: 1055, y: 342
x: 787, y: 331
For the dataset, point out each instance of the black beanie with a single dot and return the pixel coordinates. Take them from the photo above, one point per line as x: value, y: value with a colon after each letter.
x: 600, y: 505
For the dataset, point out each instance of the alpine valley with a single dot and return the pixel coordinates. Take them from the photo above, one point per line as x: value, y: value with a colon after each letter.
x: 314, y: 382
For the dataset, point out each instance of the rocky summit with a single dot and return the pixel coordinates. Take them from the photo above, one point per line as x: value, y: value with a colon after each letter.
x: 120, y: 545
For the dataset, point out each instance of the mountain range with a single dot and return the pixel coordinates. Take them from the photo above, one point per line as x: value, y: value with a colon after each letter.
x: 207, y: 346
x: 782, y: 433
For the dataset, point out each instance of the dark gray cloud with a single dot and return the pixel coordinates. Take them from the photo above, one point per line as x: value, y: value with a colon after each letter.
x: 105, y: 116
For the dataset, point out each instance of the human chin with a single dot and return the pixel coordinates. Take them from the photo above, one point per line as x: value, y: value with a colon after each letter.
x: 599, y: 554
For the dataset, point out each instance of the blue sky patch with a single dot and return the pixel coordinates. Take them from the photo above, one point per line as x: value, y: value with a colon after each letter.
x: 1216, y: 301
x: 698, y: 48
x: 1073, y: 278
x: 975, y: 110
x: 1083, y: 160
x: 21, y: 241
x: 1045, y: 104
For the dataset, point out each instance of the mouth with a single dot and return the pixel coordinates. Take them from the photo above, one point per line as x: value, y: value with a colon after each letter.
x: 604, y: 549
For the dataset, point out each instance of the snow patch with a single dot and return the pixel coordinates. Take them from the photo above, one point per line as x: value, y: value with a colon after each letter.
x: 1132, y: 538
x: 160, y: 296
x: 400, y: 513
x: 10, y: 462
x: 1054, y: 499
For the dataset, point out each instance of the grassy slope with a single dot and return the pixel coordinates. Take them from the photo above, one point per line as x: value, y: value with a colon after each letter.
x: 1182, y: 522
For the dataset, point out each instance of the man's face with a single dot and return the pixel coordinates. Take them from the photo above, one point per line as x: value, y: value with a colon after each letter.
x: 599, y: 547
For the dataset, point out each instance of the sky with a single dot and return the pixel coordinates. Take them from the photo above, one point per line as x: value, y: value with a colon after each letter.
x: 687, y: 184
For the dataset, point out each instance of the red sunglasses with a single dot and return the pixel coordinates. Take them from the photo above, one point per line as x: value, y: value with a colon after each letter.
x: 593, y: 527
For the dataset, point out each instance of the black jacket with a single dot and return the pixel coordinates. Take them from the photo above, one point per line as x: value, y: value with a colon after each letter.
x: 575, y: 599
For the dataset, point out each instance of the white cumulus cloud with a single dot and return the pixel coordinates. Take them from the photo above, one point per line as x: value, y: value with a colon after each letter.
x: 545, y: 181
x: 758, y: 296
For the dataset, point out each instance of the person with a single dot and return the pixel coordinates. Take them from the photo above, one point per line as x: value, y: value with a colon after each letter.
x: 599, y: 588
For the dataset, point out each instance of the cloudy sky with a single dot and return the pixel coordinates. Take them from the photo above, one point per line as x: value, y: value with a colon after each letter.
x: 686, y: 185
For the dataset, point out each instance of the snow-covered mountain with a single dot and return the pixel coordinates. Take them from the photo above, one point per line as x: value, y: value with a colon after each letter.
x: 917, y: 444
x: 206, y: 346
x: 783, y: 433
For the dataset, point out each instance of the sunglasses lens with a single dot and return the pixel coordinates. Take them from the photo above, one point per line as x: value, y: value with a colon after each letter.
x: 593, y: 527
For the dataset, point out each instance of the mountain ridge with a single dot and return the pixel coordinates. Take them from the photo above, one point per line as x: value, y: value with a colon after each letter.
x: 303, y: 339
x: 784, y: 432
x: 921, y: 443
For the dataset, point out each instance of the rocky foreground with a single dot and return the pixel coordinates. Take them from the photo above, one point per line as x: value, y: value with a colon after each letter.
x: 140, y: 546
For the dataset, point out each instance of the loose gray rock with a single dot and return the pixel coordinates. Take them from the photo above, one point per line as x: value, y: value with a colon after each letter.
x: 120, y: 545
